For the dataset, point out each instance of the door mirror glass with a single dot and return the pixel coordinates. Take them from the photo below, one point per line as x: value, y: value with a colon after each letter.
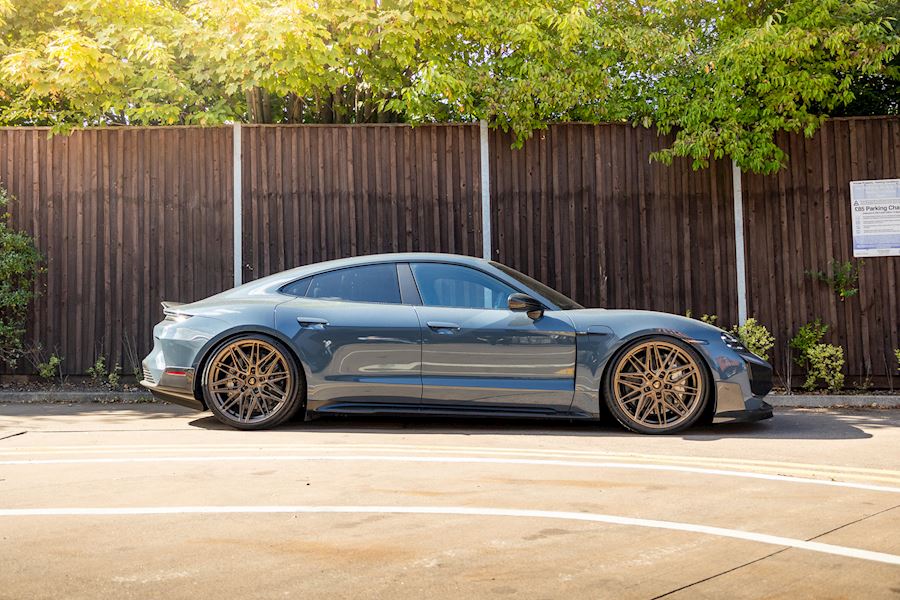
x: 526, y: 304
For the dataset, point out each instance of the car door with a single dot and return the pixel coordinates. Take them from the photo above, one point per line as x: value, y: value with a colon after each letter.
x: 360, y: 343
x: 478, y: 355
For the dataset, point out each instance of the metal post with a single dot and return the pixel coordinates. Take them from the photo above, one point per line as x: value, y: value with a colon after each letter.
x: 485, y: 193
x: 740, y: 260
x: 236, y: 202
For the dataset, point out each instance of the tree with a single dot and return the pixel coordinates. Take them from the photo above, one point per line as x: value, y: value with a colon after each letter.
x: 724, y: 75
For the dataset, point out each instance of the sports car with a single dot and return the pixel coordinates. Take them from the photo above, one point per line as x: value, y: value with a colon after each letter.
x: 441, y: 334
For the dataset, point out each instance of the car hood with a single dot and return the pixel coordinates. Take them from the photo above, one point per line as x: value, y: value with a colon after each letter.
x: 625, y: 321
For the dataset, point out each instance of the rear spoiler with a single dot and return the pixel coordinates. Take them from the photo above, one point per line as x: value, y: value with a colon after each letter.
x: 169, y: 307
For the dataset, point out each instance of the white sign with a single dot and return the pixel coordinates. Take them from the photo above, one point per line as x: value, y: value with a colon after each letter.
x: 875, y: 210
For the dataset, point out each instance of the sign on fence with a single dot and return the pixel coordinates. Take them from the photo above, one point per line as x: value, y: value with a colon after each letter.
x: 875, y: 210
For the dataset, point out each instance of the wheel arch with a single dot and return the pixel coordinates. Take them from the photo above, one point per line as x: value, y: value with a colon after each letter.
x: 626, y: 342
x: 205, y: 353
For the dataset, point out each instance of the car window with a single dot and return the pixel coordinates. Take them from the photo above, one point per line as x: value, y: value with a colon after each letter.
x: 458, y: 286
x: 368, y: 283
x: 560, y: 300
x: 297, y: 288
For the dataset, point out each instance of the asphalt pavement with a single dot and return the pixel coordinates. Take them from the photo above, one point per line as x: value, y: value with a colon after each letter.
x: 156, y: 501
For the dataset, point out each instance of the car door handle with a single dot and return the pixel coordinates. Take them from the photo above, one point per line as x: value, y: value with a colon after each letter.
x: 312, y: 322
x: 442, y: 325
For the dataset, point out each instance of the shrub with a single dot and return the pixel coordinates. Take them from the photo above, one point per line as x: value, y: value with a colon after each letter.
x: 19, y: 261
x: 842, y: 278
x: 807, y: 338
x: 51, y: 368
x: 897, y: 354
x: 755, y: 337
x: 114, y: 377
x: 708, y: 319
x: 825, y: 362
x: 98, y: 372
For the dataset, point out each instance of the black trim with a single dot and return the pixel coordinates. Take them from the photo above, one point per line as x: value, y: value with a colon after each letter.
x: 174, y: 396
x: 409, y: 291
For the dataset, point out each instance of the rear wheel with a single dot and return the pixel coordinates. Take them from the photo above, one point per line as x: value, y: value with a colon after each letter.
x: 252, y: 382
x: 657, y: 385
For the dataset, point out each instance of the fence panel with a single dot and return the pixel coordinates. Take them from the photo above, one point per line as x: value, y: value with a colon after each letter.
x: 125, y: 218
x: 582, y: 208
x: 317, y: 192
x: 798, y: 220
x: 128, y: 217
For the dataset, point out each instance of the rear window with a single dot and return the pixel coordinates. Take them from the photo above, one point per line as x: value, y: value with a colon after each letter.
x: 367, y: 283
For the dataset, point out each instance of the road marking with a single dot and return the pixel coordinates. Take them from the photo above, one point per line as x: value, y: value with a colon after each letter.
x: 737, y: 462
x: 750, y: 536
x: 453, y: 460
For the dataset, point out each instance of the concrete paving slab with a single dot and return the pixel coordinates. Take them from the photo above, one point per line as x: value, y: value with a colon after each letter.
x: 165, y: 457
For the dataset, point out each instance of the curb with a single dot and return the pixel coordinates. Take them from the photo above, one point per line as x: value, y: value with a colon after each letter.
x: 141, y: 397
x: 833, y: 401
x: 69, y: 397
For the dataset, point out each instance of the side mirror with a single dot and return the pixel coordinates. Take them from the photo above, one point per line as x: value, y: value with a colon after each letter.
x: 526, y: 304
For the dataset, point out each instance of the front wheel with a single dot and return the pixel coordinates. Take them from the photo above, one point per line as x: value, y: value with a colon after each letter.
x: 252, y: 382
x: 657, y: 385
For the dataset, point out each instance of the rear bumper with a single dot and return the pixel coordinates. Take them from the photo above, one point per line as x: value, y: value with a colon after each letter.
x: 174, y: 395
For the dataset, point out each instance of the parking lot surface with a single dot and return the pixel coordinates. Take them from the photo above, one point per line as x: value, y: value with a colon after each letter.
x: 155, y: 501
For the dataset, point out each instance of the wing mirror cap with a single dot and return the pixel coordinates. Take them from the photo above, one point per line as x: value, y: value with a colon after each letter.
x: 526, y: 304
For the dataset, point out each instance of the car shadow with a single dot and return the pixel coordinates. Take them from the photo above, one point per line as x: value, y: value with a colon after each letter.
x: 789, y: 424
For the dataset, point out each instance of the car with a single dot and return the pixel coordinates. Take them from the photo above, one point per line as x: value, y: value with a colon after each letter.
x: 442, y: 334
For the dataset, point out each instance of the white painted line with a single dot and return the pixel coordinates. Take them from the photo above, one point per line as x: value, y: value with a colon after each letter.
x: 454, y: 460
x: 738, y: 534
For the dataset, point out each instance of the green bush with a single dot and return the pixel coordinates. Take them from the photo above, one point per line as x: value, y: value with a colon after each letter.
x: 825, y: 362
x: 897, y: 354
x: 842, y: 278
x: 51, y: 368
x: 755, y: 337
x: 98, y: 372
x: 19, y: 262
x: 807, y: 338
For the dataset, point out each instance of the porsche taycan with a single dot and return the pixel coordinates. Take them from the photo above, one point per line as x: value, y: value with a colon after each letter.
x: 441, y: 334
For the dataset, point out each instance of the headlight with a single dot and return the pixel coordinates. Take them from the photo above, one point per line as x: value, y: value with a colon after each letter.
x: 732, y: 342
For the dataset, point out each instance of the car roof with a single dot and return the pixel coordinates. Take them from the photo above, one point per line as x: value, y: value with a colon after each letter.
x: 279, y: 279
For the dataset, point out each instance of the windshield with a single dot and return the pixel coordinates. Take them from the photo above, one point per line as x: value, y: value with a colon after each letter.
x: 560, y: 300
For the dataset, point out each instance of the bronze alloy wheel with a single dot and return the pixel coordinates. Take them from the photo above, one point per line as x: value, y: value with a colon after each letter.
x: 657, y: 386
x: 251, y: 383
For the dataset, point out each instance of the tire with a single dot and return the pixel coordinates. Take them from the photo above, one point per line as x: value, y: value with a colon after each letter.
x: 252, y: 382
x: 657, y: 385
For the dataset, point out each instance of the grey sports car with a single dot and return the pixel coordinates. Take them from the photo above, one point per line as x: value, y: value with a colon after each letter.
x: 440, y: 334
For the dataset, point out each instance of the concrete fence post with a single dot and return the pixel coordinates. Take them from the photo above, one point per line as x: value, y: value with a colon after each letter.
x: 236, y: 203
x: 485, y: 192
x: 740, y: 259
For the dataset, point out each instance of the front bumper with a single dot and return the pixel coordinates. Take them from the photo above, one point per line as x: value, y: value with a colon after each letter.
x: 742, y: 388
x: 756, y: 409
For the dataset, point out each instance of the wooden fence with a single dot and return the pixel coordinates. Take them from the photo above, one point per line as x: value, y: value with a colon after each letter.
x: 129, y: 217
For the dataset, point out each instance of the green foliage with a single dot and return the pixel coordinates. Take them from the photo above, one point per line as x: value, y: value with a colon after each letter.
x: 98, y: 372
x: 755, y: 337
x: 897, y: 356
x: 808, y: 337
x: 843, y: 278
x: 114, y: 377
x: 825, y: 363
x: 19, y: 263
x: 50, y: 369
x: 723, y: 76
x: 708, y: 319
